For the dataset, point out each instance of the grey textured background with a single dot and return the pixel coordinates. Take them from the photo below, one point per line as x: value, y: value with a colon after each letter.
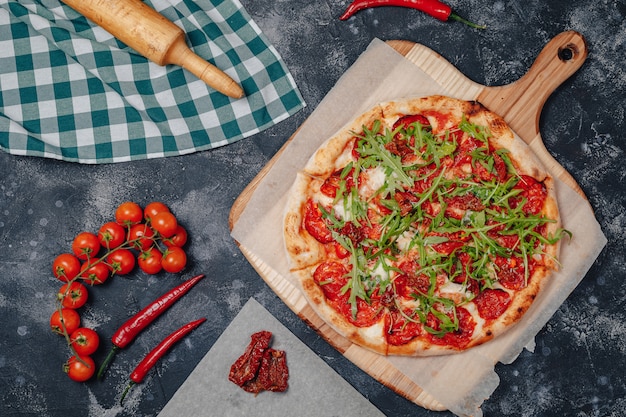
x: 578, y: 367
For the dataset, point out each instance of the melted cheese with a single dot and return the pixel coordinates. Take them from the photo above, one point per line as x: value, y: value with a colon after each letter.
x: 323, y: 199
x: 340, y: 211
x: 374, y: 180
x: 403, y: 242
x: 453, y: 288
x: 381, y: 272
x: 345, y: 158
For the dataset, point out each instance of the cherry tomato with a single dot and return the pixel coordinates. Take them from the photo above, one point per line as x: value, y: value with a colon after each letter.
x: 66, y: 267
x: 141, y: 236
x: 66, y: 316
x: 79, y: 370
x: 95, y: 272
x: 150, y: 261
x: 73, y: 295
x: 112, y: 235
x: 179, y: 238
x: 153, y: 208
x: 128, y: 213
x: 174, y: 259
x: 121, y: 261
x: 85, y: 341
x: 164, y: 223
x: 86, y: 245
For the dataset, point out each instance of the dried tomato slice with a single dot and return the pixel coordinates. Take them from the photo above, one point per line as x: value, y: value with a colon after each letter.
x: 246, y: 366
x: 260, y: 368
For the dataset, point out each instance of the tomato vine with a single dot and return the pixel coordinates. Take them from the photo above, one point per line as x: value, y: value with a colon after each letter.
x: 150, y: 239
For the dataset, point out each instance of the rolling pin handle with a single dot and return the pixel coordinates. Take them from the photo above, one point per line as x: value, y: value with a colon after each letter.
x: 219, y: 80
x: 180, y: 54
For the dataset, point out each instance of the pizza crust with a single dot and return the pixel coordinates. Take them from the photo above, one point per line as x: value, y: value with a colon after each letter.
x: 305, y: 253
x: 328, y: 158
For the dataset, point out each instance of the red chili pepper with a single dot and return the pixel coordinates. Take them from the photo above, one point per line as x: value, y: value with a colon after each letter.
x: 133, y: 326
x: 434, y: 8
x: 155, y: 354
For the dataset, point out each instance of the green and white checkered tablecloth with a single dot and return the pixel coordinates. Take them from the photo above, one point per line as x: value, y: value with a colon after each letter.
x: 69, y: 90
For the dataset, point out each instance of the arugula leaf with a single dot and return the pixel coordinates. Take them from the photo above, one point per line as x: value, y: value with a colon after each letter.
x: 372, y: 149
x: 489, y: 231
x: 476, y: 131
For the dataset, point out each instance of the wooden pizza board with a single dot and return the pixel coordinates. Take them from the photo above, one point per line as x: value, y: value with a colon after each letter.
x: 519, y: 103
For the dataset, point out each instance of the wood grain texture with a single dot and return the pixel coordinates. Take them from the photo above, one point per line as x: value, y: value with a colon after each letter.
x: 156, y: 38
x: 519, y: 103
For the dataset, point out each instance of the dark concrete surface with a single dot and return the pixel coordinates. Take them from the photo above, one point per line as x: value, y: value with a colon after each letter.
x: 578, y: 367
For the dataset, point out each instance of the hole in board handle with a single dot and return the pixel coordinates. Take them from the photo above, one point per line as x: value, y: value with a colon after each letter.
x: 567, y: 53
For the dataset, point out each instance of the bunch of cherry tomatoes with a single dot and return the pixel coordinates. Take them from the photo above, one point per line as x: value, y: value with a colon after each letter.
x: 149, y: 238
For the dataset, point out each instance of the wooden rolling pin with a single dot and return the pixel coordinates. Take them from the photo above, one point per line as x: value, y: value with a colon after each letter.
x: 153, y: 36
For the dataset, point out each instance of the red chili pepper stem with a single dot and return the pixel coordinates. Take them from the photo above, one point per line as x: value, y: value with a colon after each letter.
x: 134, y: 325
x: 157, y: 353
x: 107, y: 360
x: 125, y: 392
x: 458, y: 18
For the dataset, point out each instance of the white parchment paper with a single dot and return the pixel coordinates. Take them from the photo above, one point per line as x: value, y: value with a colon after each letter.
x: 459, y: 382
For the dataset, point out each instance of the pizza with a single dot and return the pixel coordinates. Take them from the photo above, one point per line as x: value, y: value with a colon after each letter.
x: 424, y: 227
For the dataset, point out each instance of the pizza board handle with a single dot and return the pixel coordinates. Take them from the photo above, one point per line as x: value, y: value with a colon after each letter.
x: 521, y: 102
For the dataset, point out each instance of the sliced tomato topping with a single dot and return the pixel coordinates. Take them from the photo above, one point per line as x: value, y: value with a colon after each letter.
x: 407, y: 285
x: 399, y: 329
x: 333, y: 183
x: 315, y: 224
x: 533, y: 191
x: 331, y: 277
x: 491, y: 303
x: 459, y: 338
x: 405, y: 200
x: 352, y: 232
x: 500, y: 167
x: 458, y: 205
x: 406, y: 121
x: 367, y: 314
x: 511, y: 272
x: 340, y: 251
